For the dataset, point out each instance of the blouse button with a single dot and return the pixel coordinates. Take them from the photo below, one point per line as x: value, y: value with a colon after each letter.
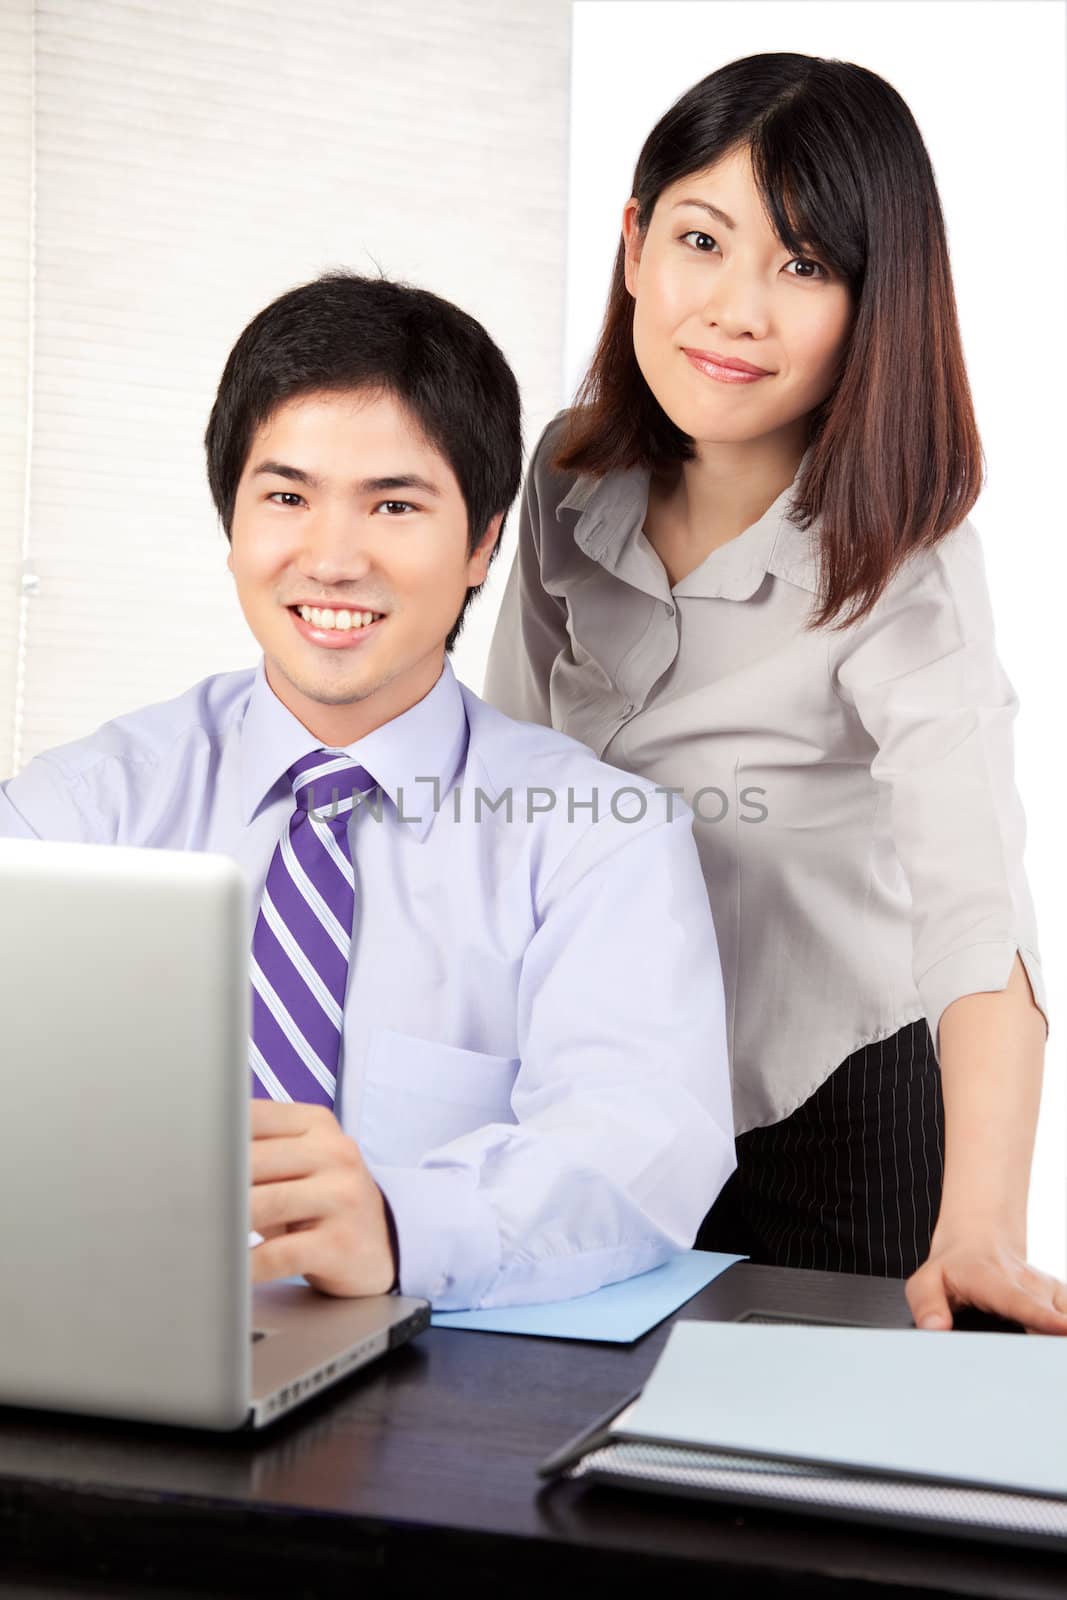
x: 670, y: 609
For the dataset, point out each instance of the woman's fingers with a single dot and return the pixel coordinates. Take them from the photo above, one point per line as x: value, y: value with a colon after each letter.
x: 997, y: 1282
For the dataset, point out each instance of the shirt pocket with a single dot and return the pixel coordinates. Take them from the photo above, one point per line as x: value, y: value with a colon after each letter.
x: 418, y: 1094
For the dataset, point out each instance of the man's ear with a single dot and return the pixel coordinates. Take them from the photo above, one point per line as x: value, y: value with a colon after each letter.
x: 633, y: 239
x: 478, y: 565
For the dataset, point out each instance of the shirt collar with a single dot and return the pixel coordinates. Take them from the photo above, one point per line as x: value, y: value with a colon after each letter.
x: 611, y: 517
x: 427, y: 741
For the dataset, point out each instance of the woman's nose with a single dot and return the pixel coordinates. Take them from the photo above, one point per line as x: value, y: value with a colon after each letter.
x: 738, y: 304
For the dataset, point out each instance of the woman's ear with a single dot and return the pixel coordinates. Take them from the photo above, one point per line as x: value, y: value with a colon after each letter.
x: 633, y: 239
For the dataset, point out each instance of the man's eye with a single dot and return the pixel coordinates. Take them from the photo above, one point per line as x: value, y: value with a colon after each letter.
x: 395, y: 506
x: 285, y: 497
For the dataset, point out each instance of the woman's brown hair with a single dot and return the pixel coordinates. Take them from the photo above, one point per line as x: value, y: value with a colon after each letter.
x: 895, y: 460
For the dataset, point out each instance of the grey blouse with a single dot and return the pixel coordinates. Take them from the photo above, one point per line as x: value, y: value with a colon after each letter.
x: 854, y: 805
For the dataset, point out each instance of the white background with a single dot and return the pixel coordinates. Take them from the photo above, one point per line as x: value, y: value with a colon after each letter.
x: 986, y: 85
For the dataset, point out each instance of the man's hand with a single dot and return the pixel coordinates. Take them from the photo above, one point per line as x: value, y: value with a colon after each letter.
x: 988, y: 1272
x: 318, y: 1208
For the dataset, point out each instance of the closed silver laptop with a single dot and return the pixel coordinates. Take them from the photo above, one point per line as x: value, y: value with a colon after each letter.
x: 124, y: 1153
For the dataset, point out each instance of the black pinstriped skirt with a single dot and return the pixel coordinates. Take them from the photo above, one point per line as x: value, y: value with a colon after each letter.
x: 851, y: 1181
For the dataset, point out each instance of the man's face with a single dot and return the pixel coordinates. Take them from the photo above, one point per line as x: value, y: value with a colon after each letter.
x: 343, y: 505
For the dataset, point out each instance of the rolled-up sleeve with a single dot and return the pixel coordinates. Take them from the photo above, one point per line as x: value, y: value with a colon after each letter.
x: 623, y: 1135
x: 531, y: 626
x: 923, y: 675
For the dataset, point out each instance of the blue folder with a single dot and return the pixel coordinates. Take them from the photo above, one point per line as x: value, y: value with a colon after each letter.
x: 618, y: 1314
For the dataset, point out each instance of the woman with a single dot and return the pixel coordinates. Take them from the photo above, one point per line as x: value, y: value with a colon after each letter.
x: 745, y: 571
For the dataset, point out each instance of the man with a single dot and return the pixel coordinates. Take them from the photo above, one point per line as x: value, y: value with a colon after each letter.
x: 488, y: 1048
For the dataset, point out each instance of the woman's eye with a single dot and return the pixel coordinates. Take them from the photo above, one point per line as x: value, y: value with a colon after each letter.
x: 395, y: 506
x: 803, y: 261
x: 285, y: 497
x: 705, y: 244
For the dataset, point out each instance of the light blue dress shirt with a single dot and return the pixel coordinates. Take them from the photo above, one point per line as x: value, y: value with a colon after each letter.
x: 534, y: 1057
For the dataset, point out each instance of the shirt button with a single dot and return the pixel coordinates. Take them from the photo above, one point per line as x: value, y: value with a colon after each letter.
x: 628, y: 710
x: 670, y: 609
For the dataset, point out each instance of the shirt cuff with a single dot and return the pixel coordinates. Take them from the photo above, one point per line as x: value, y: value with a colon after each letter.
x: 448, y: 1243
x: 394, y: 1242
x: 977, y: 969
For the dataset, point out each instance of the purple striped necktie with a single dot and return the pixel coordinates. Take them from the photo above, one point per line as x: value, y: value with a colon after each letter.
x: 302, y: 937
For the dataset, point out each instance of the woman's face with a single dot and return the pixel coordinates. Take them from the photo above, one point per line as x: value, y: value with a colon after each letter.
x: 709, y: 278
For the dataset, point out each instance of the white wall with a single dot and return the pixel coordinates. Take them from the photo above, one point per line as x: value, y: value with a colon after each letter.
x: 986, y: 84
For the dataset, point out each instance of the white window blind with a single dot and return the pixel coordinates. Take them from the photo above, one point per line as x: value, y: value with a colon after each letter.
x: 192, y: 161
x: 16, y: 329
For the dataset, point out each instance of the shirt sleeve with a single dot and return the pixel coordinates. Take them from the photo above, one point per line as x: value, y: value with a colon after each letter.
x: 43, y: 802
x: 531, y: 625
x: 922, y: 672
x: 624, y: 1133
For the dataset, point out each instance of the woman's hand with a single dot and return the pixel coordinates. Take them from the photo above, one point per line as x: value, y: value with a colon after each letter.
x: 986, y: 1270
x: 992, y: 1059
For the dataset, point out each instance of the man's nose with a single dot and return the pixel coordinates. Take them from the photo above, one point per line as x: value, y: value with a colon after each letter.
x: 336, y: 545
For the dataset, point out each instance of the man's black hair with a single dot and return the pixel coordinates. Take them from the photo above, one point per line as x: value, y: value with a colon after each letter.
x: 343, y: 333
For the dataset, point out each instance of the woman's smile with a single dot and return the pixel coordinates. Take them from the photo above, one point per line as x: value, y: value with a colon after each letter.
x: 722, y: 374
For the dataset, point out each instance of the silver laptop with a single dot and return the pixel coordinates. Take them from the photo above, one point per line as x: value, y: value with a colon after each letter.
x: 124, y: 1153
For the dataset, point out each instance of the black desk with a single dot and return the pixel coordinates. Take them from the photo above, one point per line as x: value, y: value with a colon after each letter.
x: 421, y: 1471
